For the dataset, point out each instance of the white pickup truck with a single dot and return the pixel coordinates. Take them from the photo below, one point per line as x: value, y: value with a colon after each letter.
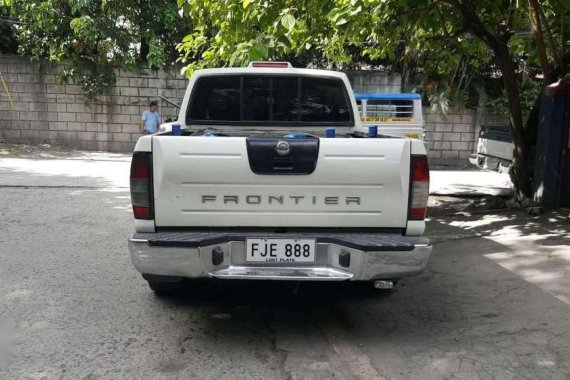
x: 251, y: 187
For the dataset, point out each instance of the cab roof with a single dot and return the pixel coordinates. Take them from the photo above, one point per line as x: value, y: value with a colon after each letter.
x: 270, y: 67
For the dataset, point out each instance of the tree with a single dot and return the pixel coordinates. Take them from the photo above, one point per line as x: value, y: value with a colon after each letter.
x: 440, y: 32
x: 96, y: 37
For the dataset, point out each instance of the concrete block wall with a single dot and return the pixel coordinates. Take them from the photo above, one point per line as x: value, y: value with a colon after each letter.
x: 454, y: 137
x: 47, y: 112
x: 375, y: 81
x: 451, y: 136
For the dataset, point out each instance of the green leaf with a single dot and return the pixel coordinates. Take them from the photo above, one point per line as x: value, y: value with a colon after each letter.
x: 245, y: 3
x: 288, y: 21
x: 258, y: 52
x: 341, y: 21
x: 284, y: 41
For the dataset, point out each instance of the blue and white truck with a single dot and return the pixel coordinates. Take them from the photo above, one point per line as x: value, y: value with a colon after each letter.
x: 394, y: 114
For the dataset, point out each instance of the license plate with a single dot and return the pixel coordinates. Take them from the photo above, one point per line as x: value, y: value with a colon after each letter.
x: 412, y: 136
x: 280, y: 250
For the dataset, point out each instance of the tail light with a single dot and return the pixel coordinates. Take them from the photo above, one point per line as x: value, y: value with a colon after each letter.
x: 141, y: 185
x: 419, y: 190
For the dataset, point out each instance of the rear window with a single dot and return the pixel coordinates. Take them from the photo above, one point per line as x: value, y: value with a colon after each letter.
x: 217, y: 98
x: 263, y: 99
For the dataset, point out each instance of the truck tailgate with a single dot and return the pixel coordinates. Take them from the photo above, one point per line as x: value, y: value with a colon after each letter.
x: 208, y: 182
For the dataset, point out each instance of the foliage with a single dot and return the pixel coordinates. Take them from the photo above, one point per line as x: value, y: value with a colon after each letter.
x: 236, y: 32
x: 529, y: 91
x: 232, y: 32
x: 8, y: 43
x: 443, y: 98
x: 439, y: 101
x: 96, y: 37
x: 555, y: 17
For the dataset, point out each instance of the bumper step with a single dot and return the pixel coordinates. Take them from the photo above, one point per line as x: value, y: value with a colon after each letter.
x: 273, y: 273
x: 371, y: 241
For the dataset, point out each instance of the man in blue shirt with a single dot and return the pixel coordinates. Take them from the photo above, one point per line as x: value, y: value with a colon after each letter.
x: 151, y: 119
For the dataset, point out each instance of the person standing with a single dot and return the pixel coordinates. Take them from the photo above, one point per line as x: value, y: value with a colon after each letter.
x: 151, y: 119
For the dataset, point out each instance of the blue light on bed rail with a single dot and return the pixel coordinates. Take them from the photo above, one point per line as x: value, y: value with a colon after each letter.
x: 385, y: 96
x: 299, y: 136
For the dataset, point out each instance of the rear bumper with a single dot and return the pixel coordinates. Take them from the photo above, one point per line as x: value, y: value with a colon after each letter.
x: 190, y: 254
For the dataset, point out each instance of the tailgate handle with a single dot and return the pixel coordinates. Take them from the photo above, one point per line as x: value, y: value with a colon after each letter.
x: 282, y: 163
x: 283, y: 168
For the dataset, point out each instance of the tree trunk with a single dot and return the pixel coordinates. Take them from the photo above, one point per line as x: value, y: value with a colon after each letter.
x: 539, y: 39
x: 520, y: 175
x: 144, y: 51
x: 559, y: 70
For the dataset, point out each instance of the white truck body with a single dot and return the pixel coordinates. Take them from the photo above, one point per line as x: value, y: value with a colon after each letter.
x: 201, y: 199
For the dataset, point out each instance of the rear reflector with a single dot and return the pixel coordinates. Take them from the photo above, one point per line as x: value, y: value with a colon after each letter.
x: 419, y: 177
x: 141, y: 185
x: 273, y: 65
x: 142, y: 212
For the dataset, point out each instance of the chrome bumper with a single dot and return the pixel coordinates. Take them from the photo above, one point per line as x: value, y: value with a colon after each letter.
x: 182, y: 258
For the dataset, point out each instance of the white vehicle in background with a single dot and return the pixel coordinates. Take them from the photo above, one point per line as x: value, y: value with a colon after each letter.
x: 494, y: 148
x: 245, y: 185
x: 395, y: 115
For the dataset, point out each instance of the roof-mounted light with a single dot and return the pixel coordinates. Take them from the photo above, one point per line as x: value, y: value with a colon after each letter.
x: 270, y: 64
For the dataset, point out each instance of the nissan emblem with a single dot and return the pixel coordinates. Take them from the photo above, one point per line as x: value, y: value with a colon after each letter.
x: 282, y: 148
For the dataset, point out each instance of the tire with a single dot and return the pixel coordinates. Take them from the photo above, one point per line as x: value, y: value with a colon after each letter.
x: 164, y: 285
x: 164, y: 288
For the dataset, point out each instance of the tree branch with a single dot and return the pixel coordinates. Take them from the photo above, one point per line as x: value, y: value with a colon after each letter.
x: 539, y: 38
x: 512, y: 9
x: 550, y: 37
x: 441, y: 20
x: 473, y: 23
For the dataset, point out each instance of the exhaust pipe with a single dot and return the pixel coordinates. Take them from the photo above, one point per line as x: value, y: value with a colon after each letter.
x: 383, y: 284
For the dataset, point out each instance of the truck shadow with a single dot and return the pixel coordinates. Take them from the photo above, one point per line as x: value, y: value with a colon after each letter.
x: 460, y: 249
x: 464, y: 296
x: 231, y: 302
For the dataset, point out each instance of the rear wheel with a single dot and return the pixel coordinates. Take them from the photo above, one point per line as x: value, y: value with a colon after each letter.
x: 163, y: 285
